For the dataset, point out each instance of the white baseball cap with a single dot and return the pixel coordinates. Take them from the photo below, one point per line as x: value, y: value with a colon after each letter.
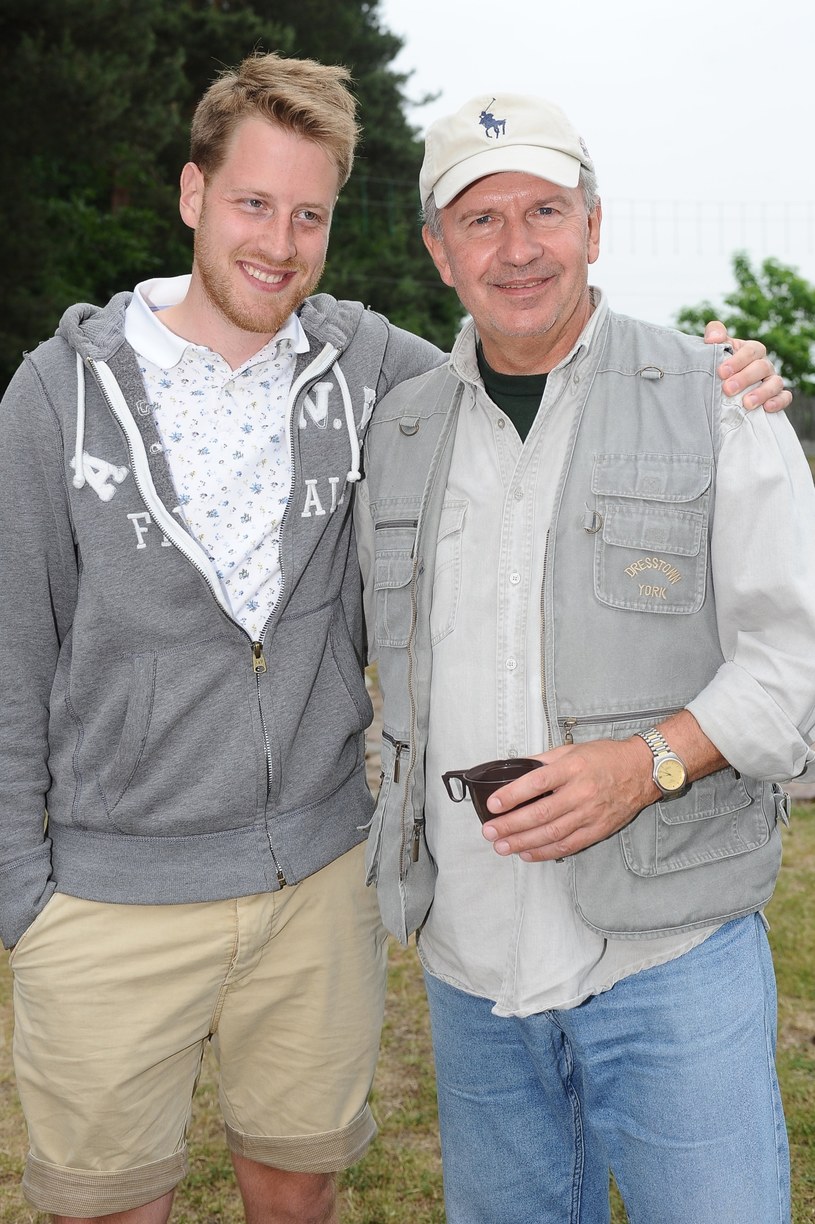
x: 510, y: 132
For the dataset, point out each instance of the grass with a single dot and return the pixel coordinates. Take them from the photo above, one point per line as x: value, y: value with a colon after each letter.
x: 400, y: 1179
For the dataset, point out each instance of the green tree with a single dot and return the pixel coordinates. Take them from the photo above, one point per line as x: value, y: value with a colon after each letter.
x: 773, y: 304
x: 97, y: 96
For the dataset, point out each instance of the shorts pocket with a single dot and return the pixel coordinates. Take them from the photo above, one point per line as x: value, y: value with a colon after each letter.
x: 33, y: 927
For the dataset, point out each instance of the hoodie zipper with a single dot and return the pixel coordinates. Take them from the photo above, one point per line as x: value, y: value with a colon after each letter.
x: 112, y: 394
x: 313, y: 370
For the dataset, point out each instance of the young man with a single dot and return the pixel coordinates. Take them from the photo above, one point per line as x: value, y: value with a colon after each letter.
x: 577, y: 548
x: 182, y: 689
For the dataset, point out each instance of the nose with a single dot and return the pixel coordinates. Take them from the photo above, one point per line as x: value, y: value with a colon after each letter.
x: 521, y: 243
x: 278, y: 238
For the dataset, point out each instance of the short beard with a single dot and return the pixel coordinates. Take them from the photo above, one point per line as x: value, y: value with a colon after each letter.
x: 264, y: 319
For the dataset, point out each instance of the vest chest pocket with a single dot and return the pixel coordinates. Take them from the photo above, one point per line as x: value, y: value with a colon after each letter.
x: 651, y: 531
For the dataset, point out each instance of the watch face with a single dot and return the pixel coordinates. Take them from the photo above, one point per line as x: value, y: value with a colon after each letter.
x: 671, y: 775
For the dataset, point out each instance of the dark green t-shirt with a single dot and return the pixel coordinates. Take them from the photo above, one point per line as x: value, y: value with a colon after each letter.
x: 518, y: 395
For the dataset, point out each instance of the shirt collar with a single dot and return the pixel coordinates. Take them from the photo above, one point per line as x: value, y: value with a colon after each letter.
x: 154, y: 341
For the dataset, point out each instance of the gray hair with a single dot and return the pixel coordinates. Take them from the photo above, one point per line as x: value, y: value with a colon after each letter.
x: 431, y: 214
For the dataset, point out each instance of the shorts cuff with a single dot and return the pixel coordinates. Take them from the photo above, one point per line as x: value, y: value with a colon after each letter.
x: 323, y: 1153
x: 88, y: 1192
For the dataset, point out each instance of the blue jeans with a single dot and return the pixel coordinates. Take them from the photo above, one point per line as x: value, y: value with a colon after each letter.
x: 668, y: 1079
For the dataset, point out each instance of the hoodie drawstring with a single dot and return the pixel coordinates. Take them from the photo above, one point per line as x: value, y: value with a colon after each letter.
x: 79, y: 448
x: 350, y: 425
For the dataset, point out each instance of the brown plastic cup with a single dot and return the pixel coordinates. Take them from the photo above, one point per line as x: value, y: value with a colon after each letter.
x: 481, y: 780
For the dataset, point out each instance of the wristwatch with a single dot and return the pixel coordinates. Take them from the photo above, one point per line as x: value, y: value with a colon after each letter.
x: 669, y: 772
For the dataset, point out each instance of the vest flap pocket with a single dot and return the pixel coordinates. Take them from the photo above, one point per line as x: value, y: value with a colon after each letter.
x: 650, y: 545
x: 661, y: 478
x: 392, y: 572
x: 653, y: 529
x: 716, y: 819
x: 392, y: 575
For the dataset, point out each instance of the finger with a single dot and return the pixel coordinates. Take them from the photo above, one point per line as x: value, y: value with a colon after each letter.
x: 745, y: 352
x: 542, y: 841
x: 778, y: 403
x: 770, y: 388
x: 715, y: 332
x: 552, y: 841
x: 529, y: 786
x: 526, y: 817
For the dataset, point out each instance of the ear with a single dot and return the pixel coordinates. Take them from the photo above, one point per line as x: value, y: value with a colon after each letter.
x: 438, y: 254
x: 191, y: 200
x: 595, y: 221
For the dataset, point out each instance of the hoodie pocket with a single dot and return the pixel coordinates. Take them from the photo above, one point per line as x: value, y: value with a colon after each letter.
x: 190, y: 756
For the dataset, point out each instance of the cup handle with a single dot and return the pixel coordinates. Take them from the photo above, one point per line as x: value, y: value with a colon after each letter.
x: 458, y: 776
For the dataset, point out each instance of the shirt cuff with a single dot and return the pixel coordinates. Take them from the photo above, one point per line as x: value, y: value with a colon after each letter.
x: 750, y: 730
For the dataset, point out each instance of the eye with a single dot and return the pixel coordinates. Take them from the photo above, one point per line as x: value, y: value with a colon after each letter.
x: 484, y: 219
x: 308, y: 214
x: 254, y: 205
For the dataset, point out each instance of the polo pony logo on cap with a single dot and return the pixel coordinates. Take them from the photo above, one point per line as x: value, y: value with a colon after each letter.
x: 491, y: 124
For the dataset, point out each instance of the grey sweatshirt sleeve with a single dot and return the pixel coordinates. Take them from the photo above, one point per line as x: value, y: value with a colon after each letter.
x: 406, y: 356
x: 38, y: 586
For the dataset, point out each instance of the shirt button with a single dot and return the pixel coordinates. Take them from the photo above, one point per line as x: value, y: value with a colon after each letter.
x: 515, y: 579
x: 511, y: 664
x: 518, y: 494
x: 501, y: 422
x: 156, y: 448
x: 512, y: 752
x: 576, y: 379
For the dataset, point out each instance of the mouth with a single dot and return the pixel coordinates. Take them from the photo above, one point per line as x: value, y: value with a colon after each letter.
x: 527, y: 283
x: 263, y: 277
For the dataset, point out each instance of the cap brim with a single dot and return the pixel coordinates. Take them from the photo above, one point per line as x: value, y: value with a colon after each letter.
x: 549, y: 164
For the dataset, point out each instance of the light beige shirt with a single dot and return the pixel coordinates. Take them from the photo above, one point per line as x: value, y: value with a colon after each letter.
x: 501, y: 928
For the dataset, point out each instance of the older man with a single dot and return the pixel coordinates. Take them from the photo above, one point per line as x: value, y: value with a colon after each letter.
x: 578, y: 548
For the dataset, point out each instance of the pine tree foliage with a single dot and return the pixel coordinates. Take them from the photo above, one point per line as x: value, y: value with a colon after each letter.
x: 97, y: 97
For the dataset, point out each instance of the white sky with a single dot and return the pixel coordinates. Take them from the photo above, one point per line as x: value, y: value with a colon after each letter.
x: 700, y: 118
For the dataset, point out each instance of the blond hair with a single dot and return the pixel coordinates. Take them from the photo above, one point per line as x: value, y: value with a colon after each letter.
x: 313, y: 100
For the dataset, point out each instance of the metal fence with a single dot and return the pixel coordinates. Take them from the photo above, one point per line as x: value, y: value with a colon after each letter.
x: 802, y: 416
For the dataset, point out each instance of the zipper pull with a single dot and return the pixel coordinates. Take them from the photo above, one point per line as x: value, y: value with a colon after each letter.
x: 568, y: 723
x: 415, y: 841
x: 258, y: 661
x: 398, y: 752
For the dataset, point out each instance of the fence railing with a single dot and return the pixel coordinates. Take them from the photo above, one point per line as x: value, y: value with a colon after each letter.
x: 802, y: 416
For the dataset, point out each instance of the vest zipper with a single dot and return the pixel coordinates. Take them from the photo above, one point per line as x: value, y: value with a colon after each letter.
x: 395, y: 523
x: 568, y: 724
x: 398, y: 746
x: 418, y: 821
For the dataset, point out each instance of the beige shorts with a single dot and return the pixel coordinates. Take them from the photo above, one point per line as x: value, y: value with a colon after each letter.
x: 114, y: 1006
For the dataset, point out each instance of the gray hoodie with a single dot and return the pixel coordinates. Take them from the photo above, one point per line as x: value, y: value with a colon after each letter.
x: 150, y: 752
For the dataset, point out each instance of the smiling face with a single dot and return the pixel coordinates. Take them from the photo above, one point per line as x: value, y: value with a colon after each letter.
x: 261, y: 222
x: 516, y: 249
